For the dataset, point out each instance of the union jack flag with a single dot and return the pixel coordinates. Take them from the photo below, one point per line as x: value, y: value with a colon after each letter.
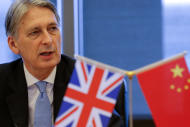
x: 90, y: 97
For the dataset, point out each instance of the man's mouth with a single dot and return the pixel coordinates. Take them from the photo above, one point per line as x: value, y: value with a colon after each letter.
x: 46, y: 53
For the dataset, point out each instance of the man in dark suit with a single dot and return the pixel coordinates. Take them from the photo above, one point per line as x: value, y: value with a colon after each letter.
x: 32, y: 27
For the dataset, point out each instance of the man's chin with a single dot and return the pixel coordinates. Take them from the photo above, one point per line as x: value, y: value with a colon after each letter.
x: 49, y: 64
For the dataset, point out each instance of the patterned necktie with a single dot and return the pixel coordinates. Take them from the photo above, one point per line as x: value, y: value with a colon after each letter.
x: 43, y: 114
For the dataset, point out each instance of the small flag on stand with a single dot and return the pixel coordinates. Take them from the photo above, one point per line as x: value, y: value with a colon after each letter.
x: 167, y: 90
x: 91, y: 95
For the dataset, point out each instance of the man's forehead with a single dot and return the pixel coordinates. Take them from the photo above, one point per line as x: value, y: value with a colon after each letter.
x: 37, y: 16
x: 34, y: 11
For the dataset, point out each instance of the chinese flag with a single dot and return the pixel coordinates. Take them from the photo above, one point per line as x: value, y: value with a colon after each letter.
x: 167, y: 91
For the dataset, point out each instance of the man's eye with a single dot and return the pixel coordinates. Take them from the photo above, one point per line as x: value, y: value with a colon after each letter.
x: 34, y: 34
x: 53, y: 29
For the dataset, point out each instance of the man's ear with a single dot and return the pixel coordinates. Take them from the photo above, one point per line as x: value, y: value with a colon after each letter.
x: 13, y: 44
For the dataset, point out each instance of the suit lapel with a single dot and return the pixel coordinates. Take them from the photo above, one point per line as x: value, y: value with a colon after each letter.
x: 17, y: 100
x: 64, y: 71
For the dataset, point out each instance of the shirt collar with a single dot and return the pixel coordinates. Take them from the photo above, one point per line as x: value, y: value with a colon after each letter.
x: 30, y: 79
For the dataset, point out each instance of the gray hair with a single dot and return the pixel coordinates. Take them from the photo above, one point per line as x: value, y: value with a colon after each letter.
x: 17, y: 10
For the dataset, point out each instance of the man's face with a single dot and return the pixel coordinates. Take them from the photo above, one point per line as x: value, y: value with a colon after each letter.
x: 38, y: 39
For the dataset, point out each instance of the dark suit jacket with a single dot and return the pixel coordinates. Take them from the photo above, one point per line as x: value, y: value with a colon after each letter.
x: 14, y: 93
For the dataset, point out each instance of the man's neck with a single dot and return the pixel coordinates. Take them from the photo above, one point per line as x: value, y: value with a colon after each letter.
x: 40, y: 74
x: 30, y: 79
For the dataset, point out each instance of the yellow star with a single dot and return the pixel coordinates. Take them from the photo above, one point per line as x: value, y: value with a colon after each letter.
x: 179, y: 90
x: 172, y: 87
x: 188, y: 80
x: 177, y: 71
x: 186, y: 87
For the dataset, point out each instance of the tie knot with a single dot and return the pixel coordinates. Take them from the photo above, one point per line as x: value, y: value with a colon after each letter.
x: 41, y: 86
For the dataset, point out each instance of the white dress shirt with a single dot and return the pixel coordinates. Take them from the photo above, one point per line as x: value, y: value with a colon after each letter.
x: 33, y: 92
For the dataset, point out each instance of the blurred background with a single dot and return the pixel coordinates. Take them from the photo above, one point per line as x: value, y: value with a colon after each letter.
x: 128, y: 34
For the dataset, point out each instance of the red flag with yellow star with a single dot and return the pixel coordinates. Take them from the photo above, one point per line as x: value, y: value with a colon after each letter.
x: 167, y: 91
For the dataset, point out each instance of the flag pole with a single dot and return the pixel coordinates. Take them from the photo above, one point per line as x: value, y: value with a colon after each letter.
x: 158, y: 63
x: 130, y: 75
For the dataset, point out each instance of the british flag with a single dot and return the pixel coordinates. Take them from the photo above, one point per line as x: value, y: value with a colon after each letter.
x: 90, y: 97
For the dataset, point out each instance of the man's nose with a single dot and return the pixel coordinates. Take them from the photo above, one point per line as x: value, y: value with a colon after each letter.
x: 47, y: 38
